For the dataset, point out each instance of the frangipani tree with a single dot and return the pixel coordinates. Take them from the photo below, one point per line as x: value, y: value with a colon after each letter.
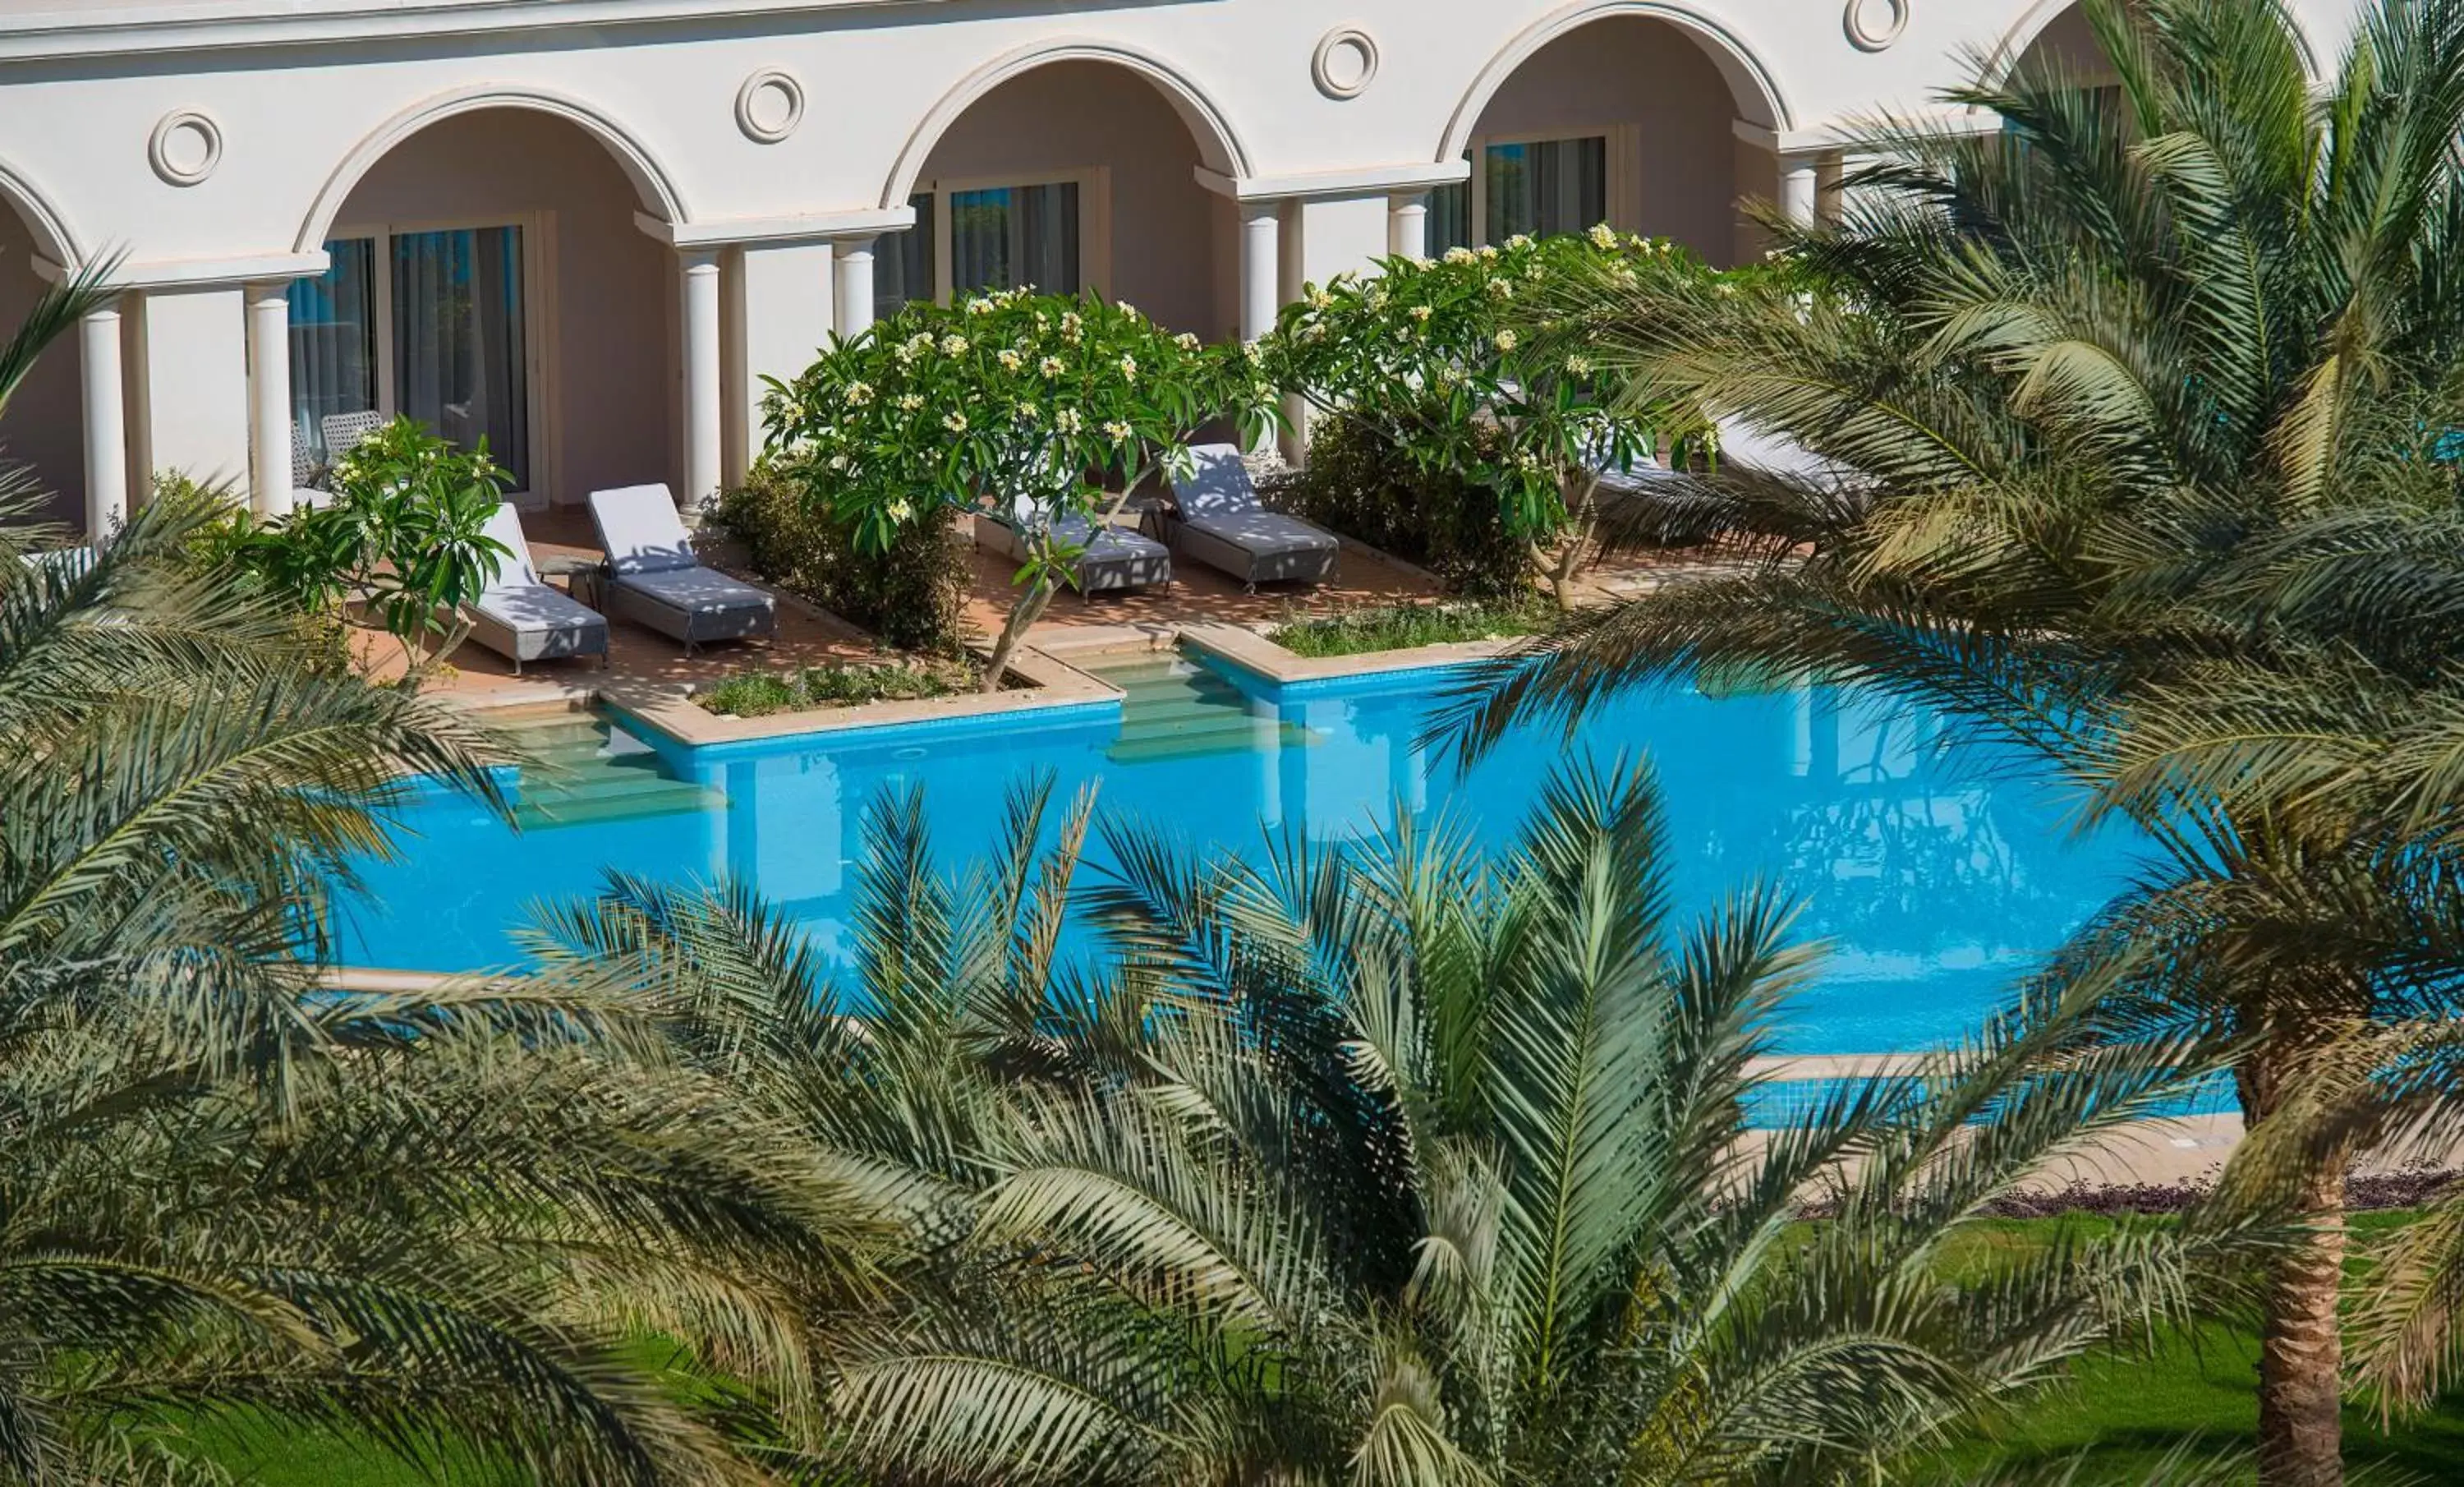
x: 1448, y: 361
x: 1041, y: 408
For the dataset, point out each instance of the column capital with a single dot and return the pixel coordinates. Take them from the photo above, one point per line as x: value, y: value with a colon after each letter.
x: 1364, y: 180
x: 866, y: 222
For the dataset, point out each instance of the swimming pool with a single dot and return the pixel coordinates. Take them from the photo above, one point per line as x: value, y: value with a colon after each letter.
x: 1934, y: 878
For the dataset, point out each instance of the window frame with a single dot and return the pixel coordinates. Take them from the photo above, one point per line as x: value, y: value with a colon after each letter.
x: 1620, y: 159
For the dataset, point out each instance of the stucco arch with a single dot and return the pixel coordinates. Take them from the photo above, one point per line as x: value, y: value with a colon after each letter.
x: 1217, y: 146
x: 51, y: 233
x: 650, y: 181
x: 1758, y: 97
x: 2040, y: 15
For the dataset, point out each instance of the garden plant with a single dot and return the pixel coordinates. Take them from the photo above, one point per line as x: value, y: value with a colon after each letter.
x: 1032, y: 407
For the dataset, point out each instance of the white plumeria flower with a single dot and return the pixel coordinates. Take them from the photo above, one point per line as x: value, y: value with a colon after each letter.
x: 1603, y: 236
x: 1128, y: 310
x: 1128, y: 368
x: 838, y: 462
x: 1501, y: 289
x: 1578, y: 365
x: 953, y: 345
x: 859, y: 393
x: 1185, y: 341
x: 1519, y: 241
x: 1068, y: 420
x: 1319, y: 299
x: 1119, y: 432
x: 979, y: 307
x: 1507, y: 340
x: 956, y: 423
x: 1011, y: 361
x: 1422, y: 313
x: 1051, y: 367
x: 899, y: 511
x: 1459, y: 255
x: 911, y: 402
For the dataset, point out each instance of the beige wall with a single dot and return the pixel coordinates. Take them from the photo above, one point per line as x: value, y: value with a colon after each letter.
x: 1645, y: 73
x: 1172, y: 253
x: 2069, y: 46
x: 44, y: 426
x: 606, y: 301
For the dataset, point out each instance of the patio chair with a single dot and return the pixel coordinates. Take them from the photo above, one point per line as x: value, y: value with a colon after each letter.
x: 1112, y: 558
x: 521, y: 618
x: 1221, y: 522
x: 656, y: 580
x: 343, y: 432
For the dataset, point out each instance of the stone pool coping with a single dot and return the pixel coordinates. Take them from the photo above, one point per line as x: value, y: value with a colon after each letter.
x: 1262, y: 656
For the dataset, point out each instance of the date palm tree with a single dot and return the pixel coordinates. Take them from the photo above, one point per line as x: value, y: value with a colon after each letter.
x: 233, y: 1203
x: 1389, y: 1163
x: 2138, y: 417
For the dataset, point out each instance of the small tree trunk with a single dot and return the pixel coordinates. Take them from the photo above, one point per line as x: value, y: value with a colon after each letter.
x: 2301, y: 1360
x: 1029, y: 608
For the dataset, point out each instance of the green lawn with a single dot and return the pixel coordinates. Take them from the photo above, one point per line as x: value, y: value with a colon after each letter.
x: 2118, y: 1416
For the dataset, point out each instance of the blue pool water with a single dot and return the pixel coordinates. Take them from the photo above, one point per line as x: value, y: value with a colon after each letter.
x: 1933, y: 876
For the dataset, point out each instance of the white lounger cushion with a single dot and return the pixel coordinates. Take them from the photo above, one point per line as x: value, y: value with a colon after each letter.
x: 1220, y: 485
x: 642, y: 530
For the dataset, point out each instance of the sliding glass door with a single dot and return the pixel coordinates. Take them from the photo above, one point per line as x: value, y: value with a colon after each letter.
x: 993, y: 237
x: 434, y: 325
x: 1541, y: 186
x: 460, y: 350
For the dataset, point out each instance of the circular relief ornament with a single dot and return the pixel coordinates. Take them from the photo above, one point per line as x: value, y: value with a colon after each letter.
x: 1346, y: 62
x: 769, y: 106
x: 1873, y: 25
x: 185, y: 148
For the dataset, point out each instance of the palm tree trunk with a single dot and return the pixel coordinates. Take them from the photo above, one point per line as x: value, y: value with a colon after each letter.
x: 2302, y: 1355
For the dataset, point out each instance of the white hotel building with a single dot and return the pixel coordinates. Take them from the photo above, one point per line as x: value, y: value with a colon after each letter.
x: 586, y: 229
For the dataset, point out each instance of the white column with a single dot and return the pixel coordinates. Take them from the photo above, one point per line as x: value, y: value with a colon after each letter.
x: 106, y: 426
x: 854, y: 266
x: 269, y: 401
x: 1262, y: 261
x: 1800, y: 187
x: 1407, y: 225
x: 779, y: 314
x: 703, y: 427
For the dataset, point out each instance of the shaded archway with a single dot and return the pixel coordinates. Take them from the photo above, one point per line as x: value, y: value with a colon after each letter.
x: 1621, y: 111
x: 489, y: 276
x: 43, y: 428
x: 1071, y: 167
x: 2054, y: 35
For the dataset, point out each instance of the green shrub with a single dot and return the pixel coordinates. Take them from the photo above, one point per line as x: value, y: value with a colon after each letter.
x: 1359, y: 484
x: 1403, y: 627
x: 911, y: 595
x: 838, y: 684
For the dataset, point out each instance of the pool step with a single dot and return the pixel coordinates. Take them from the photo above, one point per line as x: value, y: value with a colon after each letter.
x: 1173, y: 709
x: 581, y: 770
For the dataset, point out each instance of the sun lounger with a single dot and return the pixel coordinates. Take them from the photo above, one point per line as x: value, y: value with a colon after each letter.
x: 523, y: 619
x: 1221, y: 522
x: 1112, y: 558
x: 656, y: 580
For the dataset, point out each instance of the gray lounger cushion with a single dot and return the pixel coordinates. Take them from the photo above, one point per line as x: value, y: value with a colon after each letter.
x: 1113, y: 559
x: 523, y: 619
x: 1223, y: 523
x: 658, y: 582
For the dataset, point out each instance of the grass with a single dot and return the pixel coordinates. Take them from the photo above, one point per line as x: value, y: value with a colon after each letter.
x: 2120, y: 1414
x: 755, y: 693
x: 1403, y: 627
x: 2116, y: 1419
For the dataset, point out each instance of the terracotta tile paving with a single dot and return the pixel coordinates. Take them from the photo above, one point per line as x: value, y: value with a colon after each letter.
x: 482, y: 677
x: 1072, y: 625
